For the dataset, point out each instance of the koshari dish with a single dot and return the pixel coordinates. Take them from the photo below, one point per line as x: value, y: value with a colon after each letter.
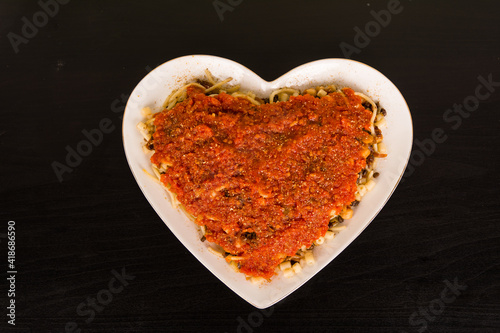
x: 266, y: 180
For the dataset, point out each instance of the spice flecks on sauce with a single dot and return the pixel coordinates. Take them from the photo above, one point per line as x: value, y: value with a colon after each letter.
x: 264, y: 180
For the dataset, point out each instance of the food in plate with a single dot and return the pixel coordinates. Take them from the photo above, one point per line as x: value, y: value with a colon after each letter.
x: 265, y: 179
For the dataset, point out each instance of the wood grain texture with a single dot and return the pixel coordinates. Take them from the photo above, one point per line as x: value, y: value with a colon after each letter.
x: 441, y: 224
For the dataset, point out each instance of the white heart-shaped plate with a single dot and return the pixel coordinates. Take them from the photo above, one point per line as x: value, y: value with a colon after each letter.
x: 398, y: 137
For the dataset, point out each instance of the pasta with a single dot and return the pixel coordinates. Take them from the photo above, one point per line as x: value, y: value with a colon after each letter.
x: 210, y: 145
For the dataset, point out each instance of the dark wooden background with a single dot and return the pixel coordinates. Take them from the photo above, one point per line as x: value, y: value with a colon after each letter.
x: 442, y: 223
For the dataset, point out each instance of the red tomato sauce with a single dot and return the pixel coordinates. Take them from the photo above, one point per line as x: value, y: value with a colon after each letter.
x: 264, y: 180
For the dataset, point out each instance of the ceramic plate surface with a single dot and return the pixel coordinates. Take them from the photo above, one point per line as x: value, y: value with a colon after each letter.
x: 398, y: 137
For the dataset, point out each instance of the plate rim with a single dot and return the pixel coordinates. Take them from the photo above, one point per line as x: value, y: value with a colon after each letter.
x: 344, y: 245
